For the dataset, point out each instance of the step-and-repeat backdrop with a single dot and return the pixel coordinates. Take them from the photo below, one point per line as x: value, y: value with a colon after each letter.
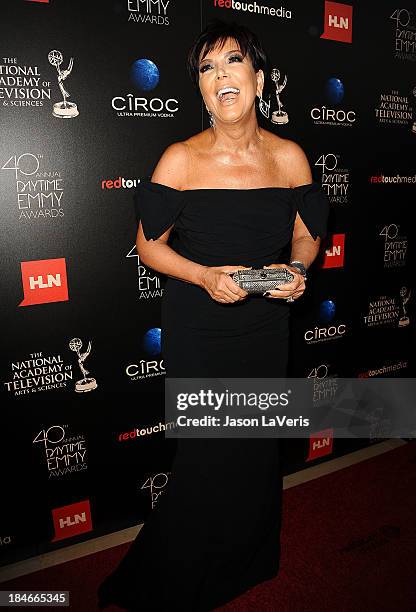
x: 91, y: 93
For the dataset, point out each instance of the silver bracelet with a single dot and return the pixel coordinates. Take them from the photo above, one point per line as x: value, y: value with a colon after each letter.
x: 300, y: 266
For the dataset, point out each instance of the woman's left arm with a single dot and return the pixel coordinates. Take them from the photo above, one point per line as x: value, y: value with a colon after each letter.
x: 304, y: 247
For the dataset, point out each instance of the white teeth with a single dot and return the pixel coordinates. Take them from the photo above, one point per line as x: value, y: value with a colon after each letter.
x: 225, y: 90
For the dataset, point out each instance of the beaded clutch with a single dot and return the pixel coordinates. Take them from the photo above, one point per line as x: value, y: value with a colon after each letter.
x: 259, y: 281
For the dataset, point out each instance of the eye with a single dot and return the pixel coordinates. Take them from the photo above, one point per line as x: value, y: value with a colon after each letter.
x: 204, y: 67
x: 235, y: 57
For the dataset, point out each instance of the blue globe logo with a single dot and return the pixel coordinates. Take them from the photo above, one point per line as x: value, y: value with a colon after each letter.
x: 144, y: 74
x: 334, y: 90
x: 327, y: 311
x: 152, y: 341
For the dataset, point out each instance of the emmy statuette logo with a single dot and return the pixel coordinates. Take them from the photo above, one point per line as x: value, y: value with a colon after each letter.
x: 279, y: 116
x: 65, y: 109
x: 86, y: 383
x: 405, y: 297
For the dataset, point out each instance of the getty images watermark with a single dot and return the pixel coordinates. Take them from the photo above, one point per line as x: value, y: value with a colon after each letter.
x: 290, y: 407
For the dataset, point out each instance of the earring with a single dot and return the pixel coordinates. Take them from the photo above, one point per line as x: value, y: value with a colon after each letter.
x: 211, y: 118
x: 264, y: 107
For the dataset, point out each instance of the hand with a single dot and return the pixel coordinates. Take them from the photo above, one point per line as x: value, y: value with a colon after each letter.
x: 293, y: 289
x: 220, y: 286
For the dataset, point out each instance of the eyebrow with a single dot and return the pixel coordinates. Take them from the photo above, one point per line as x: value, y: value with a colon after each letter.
x: 208, y: 59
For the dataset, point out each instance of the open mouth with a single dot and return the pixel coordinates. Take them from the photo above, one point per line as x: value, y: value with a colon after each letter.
x: 227, y: 93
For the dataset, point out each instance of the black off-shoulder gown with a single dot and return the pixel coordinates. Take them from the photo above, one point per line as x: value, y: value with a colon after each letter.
x: 216, y: 530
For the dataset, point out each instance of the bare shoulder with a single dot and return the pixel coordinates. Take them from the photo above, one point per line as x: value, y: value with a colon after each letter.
x: 290, y: 156
x: 172, y: 167
x: 199, y: 142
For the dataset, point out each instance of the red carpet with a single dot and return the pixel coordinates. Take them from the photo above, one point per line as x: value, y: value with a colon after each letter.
x: 348, y: 544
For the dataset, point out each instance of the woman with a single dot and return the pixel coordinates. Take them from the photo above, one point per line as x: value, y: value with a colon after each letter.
x: 236, y: 196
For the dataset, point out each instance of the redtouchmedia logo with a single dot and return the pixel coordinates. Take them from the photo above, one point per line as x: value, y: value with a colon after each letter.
x: 338, y: 22
x: 145, y: 431
x: 44, y: 280
x: 119, y: 183
x: 254, y: 7
x: 72, y: 520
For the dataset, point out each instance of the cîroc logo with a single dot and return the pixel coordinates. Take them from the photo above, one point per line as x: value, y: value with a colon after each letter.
x: 144, y: 76
x: 151, y: 344
x: 328, y: 332
x: 327, y: 115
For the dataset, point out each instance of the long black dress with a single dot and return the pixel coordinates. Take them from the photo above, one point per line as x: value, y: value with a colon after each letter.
x: 216, y: 530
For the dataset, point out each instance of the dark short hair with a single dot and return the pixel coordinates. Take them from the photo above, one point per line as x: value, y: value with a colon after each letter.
x: 216, y: 33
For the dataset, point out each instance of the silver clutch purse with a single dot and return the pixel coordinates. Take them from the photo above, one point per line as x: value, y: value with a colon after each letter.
x: 259, y: 281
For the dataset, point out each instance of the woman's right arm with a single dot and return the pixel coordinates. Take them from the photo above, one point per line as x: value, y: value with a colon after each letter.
x: 158, y: 255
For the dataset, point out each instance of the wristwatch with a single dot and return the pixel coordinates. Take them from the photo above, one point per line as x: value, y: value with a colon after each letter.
x: 300, y: 266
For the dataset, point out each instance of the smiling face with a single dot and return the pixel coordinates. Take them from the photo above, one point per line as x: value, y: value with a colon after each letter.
x: 228, y: 82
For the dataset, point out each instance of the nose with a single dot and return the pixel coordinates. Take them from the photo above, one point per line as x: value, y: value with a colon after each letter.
x: 221, y: 72
x: 221, y: 75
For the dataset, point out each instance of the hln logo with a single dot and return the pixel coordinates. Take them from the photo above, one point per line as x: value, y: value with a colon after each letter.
x: 338, y: 22
x: 343, y: 22
x: 72, y: 520
x: 320, y: 444
x: 336, y: 250
x: 334, y: 253
x: 44, y: 281
x: 51, y: 281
